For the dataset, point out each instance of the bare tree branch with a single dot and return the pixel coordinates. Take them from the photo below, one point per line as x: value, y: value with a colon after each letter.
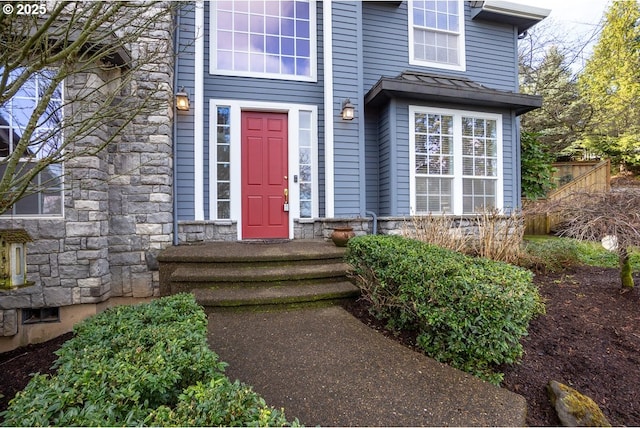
x: 590, y: 216
x: 99, y: 52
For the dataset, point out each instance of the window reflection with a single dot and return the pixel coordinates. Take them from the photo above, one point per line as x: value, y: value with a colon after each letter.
x: 435, y: 147
x: 44, y: 194
x: 436, y: 31
x: 223, y: 162
x: 273, y: 37
x: 305, y: 162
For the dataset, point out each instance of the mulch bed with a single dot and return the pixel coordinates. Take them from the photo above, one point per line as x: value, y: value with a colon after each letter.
x: 589, y: 339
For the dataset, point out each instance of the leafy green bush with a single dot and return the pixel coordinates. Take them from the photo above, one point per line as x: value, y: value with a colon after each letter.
x: 536, y: 166
x: 139, y: 364
x: 550, y: 255
x: 468, y: 312
x: 218, y: 403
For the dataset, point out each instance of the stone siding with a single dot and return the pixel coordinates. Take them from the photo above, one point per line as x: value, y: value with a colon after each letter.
x: 190, y: 232
x: 220, y: 230
x: 117, y: 204
x: 8, y: 322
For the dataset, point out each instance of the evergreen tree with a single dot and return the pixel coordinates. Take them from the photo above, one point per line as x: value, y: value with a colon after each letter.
x: 537, y: 168
x: 563, y: 115
x: 611, y: 85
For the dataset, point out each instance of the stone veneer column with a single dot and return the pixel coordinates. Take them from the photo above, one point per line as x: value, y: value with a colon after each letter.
x: 140, y: 188
x: 82, y: 261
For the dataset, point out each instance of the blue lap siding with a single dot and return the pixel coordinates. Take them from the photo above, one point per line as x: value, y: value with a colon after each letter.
x: 371, y: 152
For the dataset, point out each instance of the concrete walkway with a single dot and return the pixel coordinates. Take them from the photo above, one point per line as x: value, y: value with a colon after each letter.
x: 327, y: 368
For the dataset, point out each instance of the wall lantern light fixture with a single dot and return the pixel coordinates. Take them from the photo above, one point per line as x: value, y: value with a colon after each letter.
x: 348, y: 110
x: 182, y: 99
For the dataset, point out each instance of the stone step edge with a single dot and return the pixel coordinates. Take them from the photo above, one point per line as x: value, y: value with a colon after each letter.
x: 192, y: 274
x: 275, y: 295
x: 173, y: 255
x: 248, y: 258
x: 248, y: 262
x: 180, y: 287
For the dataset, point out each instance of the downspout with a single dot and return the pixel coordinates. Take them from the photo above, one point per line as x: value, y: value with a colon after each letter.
x: 176, y: 39
x: 375, y: 221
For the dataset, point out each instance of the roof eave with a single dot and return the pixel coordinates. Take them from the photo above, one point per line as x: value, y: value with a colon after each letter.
x: 107, y: 49
x: 520, y: 15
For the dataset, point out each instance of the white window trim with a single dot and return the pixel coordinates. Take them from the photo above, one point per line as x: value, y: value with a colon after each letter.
x: 198, y: 115
x: 461, y: 42
x: 456, y: 190
x: 329, y: 170
x: 235, y: 156
x: 313, y: 41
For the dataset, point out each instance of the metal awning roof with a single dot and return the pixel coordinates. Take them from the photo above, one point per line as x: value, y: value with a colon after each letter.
x: 447, y: 89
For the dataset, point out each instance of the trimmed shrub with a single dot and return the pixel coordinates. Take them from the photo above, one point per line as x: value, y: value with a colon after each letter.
x: 468, y: 312
x: 134, y: 365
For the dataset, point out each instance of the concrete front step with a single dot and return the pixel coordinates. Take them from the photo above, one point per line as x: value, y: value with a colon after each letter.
x: 263, y: 296
x: 250, y: 252
x: 181, y: 287
x: 264, y: 273
x: 247, y: 275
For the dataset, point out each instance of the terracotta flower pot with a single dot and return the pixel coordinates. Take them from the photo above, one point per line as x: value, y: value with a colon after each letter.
x: 341, y: 235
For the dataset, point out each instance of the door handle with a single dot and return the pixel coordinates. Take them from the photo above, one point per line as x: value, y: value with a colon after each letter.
x: 286, y: 200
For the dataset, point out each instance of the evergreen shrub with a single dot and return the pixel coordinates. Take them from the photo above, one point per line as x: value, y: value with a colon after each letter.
x: 147, y: 364
x: 468, y: 312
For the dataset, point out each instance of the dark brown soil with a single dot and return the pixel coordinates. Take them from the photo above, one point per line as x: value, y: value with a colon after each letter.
x: 589, y: 339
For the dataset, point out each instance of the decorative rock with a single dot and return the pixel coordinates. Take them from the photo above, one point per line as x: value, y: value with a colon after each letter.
x: 575, y: 409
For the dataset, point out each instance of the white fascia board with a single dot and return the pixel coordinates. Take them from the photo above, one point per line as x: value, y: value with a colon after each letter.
x: 515, y: 9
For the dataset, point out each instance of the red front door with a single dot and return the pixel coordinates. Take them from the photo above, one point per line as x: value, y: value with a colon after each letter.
x: 264, y: 175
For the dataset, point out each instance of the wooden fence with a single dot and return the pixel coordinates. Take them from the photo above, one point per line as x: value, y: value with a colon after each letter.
x: 590, y: 177
x: 565, y: 172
